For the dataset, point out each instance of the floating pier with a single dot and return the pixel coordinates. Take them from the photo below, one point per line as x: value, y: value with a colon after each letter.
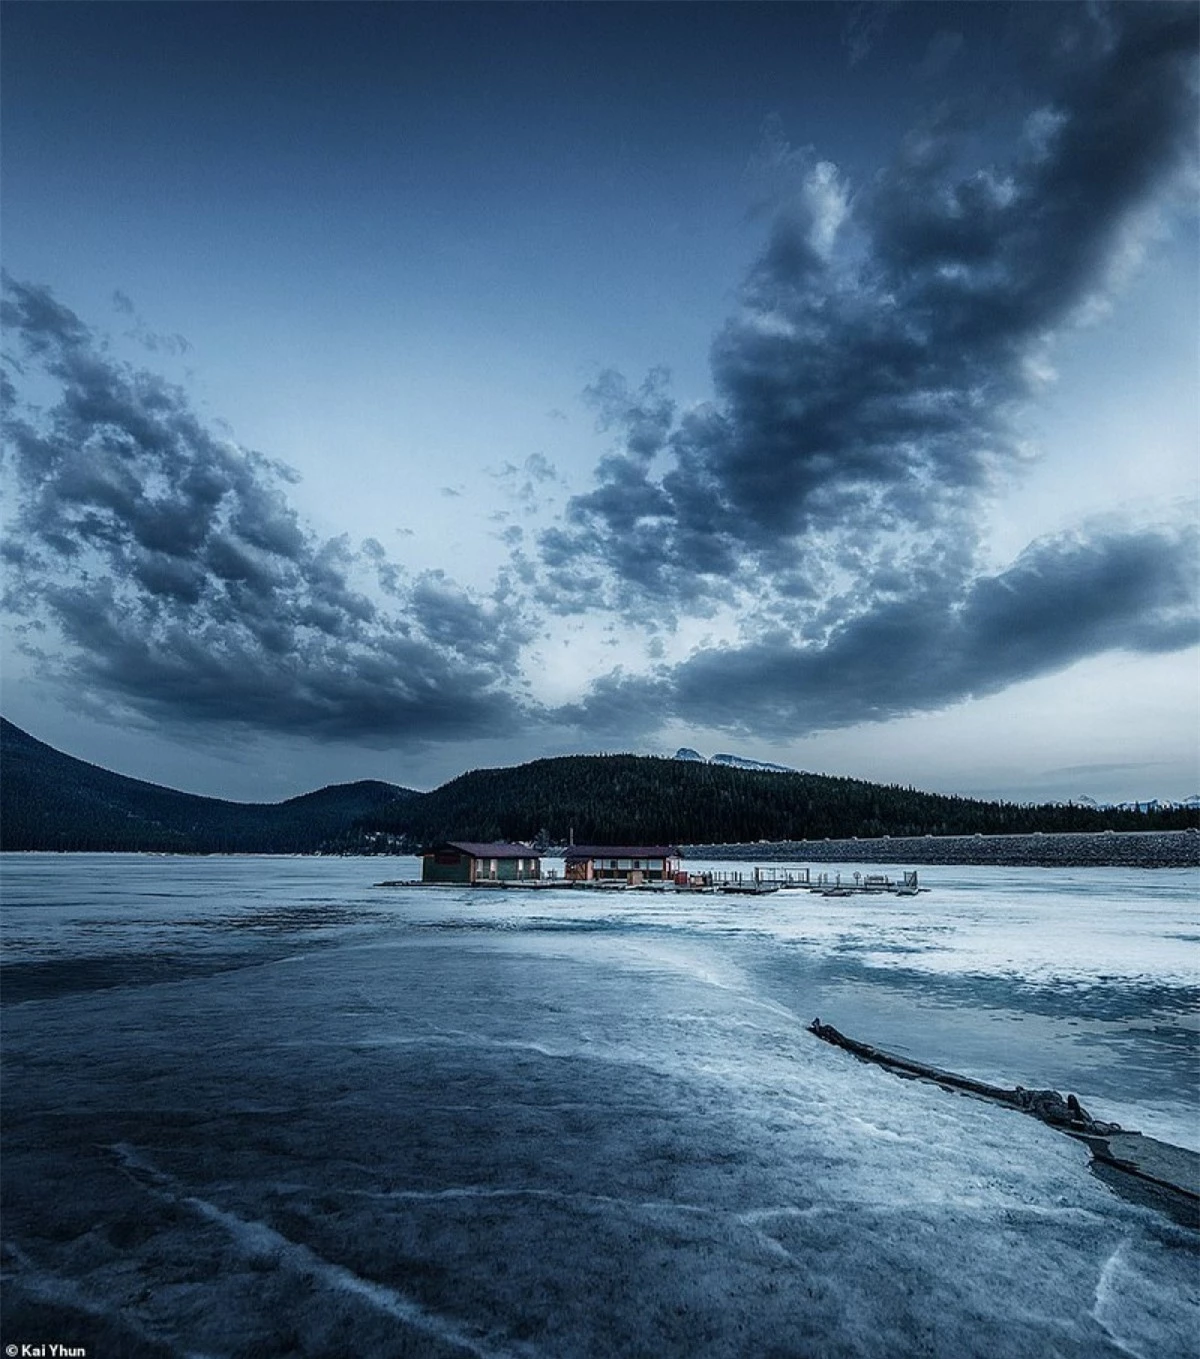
x: 755, y: 882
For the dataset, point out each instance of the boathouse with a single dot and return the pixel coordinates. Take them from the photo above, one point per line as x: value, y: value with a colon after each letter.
x: 472, y: 862
x: 621, y: 863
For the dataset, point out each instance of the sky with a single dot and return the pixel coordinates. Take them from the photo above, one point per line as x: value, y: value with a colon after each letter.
x: 392, y: 390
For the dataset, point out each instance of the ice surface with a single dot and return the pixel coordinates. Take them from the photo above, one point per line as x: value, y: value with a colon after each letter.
x: 258, y: 1108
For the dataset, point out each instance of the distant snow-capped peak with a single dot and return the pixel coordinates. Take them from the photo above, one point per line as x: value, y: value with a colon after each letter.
x: 732, y: 761
x: 1154, y: 804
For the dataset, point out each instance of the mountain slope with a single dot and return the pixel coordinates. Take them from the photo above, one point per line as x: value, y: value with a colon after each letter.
x: 49, y: 800
x: 52, y: 801
x: 638, y: 799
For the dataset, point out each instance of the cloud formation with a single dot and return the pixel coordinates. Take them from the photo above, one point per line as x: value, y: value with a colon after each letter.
x: 1063, y: 600
x: 866, y: 390
x: 830, y: 499
x: 867, y: 395
x: 165, y: 569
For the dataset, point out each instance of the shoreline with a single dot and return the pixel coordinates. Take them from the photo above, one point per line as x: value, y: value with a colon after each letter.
x: 1065, y: 849
x: 1037, y: 849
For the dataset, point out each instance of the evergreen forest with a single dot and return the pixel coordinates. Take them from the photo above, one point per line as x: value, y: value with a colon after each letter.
x: 639, y: 799
x: 52, y: 801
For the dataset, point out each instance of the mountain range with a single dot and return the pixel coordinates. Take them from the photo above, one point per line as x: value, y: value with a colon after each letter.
x: 1154, y: 804
x: 51, y: 801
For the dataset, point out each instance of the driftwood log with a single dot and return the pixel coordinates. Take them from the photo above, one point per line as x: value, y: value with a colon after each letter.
x: 1048, y: 1105
x: 1169, y: 1176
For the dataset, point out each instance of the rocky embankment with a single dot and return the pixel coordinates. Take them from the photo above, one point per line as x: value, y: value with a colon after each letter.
x: 1107, y: 849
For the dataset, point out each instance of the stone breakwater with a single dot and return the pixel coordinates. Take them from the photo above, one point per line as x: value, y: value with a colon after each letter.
x: 1106, y: 849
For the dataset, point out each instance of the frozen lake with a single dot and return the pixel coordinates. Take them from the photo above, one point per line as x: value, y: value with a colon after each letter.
x: 259, y: 1107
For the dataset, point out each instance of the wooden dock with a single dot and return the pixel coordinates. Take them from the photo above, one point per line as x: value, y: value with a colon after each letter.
x: 755, y: 882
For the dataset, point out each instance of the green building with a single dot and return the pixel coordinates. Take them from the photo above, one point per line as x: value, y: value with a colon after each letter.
x: 469, y: 862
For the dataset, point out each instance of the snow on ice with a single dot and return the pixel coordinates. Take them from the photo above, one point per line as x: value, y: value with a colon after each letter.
x: 256, y: 1107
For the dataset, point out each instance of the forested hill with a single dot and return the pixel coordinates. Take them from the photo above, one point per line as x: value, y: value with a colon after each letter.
x: 637, y: 799
x: 49, y: 800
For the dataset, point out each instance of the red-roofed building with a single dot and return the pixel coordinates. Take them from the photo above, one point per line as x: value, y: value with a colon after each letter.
x: 622, y: 863
x: 472, y: 861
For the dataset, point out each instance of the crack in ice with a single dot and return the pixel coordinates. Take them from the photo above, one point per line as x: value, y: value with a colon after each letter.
x: 258, y: 1239
x: 1106, y: 1299
x: 553, y: 1195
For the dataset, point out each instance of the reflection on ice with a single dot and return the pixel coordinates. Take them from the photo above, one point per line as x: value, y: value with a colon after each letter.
x: 600, y: 1129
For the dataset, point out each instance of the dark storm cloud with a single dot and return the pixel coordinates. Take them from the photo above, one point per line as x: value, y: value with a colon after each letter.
x: 866, y: 395
x: 1063, y: 600
x: 183, y: 583
x: 866, y: 389
x: 656, y: 540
